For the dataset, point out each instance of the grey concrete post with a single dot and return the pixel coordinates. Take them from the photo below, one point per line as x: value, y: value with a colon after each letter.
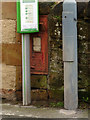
x: 69, y: 21
x: 26, y: 69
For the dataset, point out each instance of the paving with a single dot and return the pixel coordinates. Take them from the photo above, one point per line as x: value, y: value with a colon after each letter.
x: 19, y: 111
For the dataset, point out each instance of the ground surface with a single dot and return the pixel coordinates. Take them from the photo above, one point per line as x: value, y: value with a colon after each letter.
x: 19, y: 111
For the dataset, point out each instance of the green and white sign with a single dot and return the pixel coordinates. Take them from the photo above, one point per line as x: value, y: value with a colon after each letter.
x: 27, y: 16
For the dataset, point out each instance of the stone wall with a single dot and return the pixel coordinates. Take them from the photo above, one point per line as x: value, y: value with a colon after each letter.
x: 83, y: 48
x: 11, y: 50
x: 56, y: 63
x: 52, y: 85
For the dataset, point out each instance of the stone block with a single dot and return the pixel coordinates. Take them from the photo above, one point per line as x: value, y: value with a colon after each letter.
x: 83, y: 59
x: 0, y: 10
x: 56, y: 94
x: 0, y: 76
x: 8, y: 31
x: 18, y: 35
x: 58, y: 9
x: 88, y: 10
x: 83, y: 77
x: 18, y: 78
x: 8, y: 77
x: 81, y: 9
x: 18, y: 94
x: 83, y: 69
x: 18, y: 38
x: 82, y: 30
x: 9, y: 10
x: 83, y: 93
x: 8, y: 94
x: 39, y: 81
x: 12, y: 54
x: 83, y: 47
x: 39, y: 95
x: 55, y: 29
x: 56, y: 79
x: 45, y: 7
x: 36, y: 95
x: 1, y: 31
x: 0, y: 53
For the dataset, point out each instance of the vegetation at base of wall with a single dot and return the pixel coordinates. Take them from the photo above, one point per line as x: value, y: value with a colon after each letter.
x: 85, y: 99
x: 83, y: 95
x: 58, y: 104
x: 83, y: 105
x: 59, y: 18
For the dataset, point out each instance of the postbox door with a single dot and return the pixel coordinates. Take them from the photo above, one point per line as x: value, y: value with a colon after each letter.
x: 39, y: 48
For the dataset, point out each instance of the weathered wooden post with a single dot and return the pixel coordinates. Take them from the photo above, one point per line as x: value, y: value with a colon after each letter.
x: 69, y: 21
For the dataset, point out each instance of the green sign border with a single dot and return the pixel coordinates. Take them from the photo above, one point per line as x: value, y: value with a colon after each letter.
x: 19, y: 20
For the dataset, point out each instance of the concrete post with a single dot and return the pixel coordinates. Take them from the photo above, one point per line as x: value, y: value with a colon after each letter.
x: 69, y: 21
x: 26, y: 69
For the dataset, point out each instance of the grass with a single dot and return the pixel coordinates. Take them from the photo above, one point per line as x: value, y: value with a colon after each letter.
x: 58, y: 104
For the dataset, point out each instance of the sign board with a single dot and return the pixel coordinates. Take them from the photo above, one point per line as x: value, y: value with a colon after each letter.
x: 27, y: 16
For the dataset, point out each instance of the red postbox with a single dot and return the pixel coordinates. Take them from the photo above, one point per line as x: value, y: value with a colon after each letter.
x: 39, y: 48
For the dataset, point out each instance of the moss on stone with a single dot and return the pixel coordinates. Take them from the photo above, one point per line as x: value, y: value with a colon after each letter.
x: 39, y: 81
x: 56, y: 94
x: 45, y: 7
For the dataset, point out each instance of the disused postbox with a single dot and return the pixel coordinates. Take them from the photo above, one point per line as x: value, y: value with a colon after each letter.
x: 39, y: 48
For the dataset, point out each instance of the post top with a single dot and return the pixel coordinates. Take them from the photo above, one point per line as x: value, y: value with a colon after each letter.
x: 69, y: 1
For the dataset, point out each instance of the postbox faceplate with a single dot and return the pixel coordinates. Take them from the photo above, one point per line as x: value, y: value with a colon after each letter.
x: 39, y: 48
